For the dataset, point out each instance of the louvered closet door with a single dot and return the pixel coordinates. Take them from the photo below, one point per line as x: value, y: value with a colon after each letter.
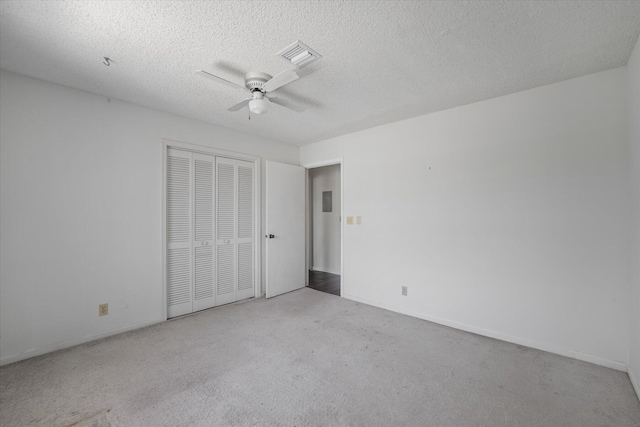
x: 210, y: 231
x: 203, y: 231
x: 245, y: 229
x: 235, y: 249
x: 179, y: 237
x: 226, y: 231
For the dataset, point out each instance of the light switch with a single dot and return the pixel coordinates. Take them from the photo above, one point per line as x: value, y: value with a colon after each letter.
x: 358, y: 220
x: 349, y: 220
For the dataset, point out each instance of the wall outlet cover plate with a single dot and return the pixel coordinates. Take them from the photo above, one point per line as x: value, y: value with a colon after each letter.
x: 103, y: 309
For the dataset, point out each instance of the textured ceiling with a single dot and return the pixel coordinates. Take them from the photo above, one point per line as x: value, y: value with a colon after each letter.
x: 382, y: 61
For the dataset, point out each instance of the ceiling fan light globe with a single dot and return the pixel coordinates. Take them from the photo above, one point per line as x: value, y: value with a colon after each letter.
x: 259, y: 106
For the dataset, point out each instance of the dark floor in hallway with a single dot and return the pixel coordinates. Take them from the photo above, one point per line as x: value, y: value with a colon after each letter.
x: 325, y: 282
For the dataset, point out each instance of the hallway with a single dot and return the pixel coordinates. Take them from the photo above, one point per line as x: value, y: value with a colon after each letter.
x: 324, y: 282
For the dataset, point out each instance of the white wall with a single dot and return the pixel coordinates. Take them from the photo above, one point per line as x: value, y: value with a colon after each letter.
x: 508, y: 217
x: 326, y: 225
x: 633, y: 75
x: 81, y: 219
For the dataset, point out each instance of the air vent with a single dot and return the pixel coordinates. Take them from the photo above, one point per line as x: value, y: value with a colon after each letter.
x: 299, y: 54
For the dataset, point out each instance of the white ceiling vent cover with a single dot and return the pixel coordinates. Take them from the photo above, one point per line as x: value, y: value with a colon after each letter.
x: 299, y: 54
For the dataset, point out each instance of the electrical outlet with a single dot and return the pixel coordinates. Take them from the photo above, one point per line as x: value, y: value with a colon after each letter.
x: 103, y: 309
x: 349, y: 220
x: 404, y: 291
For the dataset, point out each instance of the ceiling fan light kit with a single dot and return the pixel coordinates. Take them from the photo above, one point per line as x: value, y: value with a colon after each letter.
x: 259, y: 104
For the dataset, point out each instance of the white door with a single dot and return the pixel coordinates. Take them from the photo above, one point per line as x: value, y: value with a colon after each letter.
x: 245, y: 234
x: 190, y: 267
x: 210, y: 231
x: 179, y: 246
x: 226, y: 227
x: 285, y: 231
x: 235, y: 244
x: 203, y: 220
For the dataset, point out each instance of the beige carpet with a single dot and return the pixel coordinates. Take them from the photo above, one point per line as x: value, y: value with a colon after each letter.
x: 309, y: 358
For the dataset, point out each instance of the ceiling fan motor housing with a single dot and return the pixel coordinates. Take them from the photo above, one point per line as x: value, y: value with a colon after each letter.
x: 255, y: 80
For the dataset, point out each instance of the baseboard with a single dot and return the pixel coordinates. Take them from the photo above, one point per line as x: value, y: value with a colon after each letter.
x: 70, y: 343
x: 613, y: 364
x: 634, y: 383
x: 325, y: 270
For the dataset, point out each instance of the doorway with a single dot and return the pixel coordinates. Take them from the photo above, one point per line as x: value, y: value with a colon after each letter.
x: 325, y: 228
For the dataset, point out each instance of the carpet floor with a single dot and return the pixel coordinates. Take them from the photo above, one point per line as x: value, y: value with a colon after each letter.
x: 308, y: 358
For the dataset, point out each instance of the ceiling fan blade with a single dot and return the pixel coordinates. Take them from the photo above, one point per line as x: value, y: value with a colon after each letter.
x: 287, y: 104
x: 219, y: 79
x: 239, y: 105
x: 280, y: 80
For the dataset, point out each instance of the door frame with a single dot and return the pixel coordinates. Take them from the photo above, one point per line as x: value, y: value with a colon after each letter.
x: 257, y: 216
x: 308, y: 216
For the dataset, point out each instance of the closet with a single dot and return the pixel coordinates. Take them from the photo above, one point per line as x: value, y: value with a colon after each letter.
x: 210, y: 231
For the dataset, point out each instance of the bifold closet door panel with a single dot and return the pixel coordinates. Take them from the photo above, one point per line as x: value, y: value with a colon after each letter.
x: 245, y: 229
x: 226, y: 225
x: 204, y: 224
x: 179, y: 232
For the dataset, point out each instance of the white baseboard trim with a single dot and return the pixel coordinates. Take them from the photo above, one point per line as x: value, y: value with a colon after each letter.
x: 613, y: 364
x: 634, y: 383
x: 325, y: 270
x: 70, y: 343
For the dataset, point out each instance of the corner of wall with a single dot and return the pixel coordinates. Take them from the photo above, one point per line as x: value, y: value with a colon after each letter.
x: 633, y: 85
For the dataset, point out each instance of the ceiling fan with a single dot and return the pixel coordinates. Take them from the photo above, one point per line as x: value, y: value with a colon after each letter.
x: 260, y: 85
